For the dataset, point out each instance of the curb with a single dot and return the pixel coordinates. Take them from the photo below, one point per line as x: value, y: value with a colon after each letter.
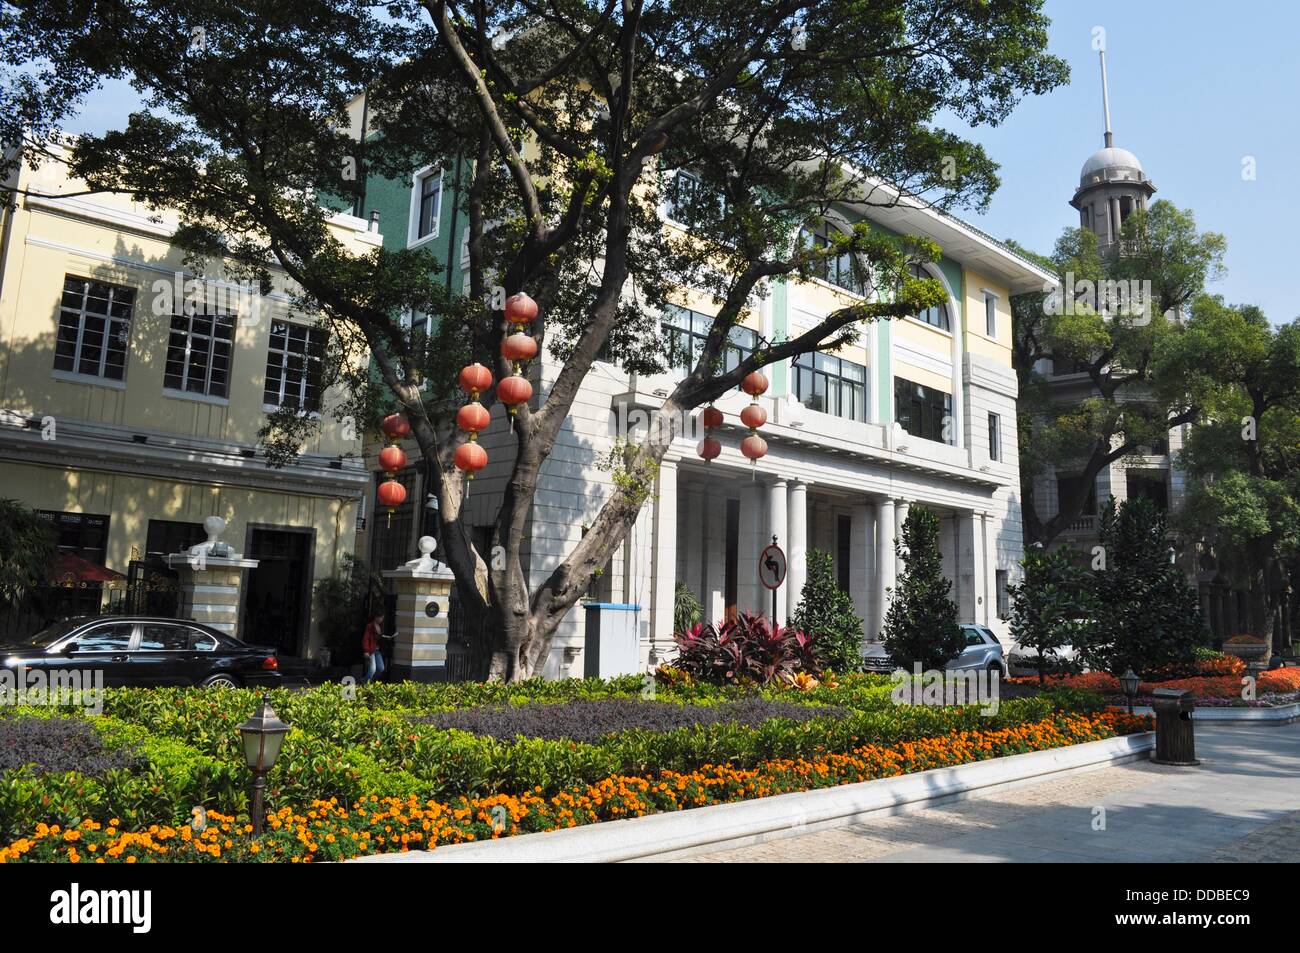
x: 659, y: 836
x: 1281, y: 715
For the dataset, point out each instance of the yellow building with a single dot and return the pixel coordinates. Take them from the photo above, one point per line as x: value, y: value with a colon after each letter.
x: 131, y: 393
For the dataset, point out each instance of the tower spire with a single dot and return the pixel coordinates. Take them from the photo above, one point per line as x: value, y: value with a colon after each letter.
x: 1105, y: 99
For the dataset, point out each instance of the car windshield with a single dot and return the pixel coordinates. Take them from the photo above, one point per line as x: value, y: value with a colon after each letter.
x: 52, y: 633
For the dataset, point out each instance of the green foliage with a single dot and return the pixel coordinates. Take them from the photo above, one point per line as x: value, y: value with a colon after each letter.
x: 687, y: 610
x: 342, y: 601
x: 1147, y: 616
x: 921, y: 624
x: 26, y: 551
x: 749, y: 649
x: 1053, y: 607
x: 826, y: 611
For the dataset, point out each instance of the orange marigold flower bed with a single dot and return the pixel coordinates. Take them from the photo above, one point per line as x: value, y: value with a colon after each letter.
x: 328, y: 830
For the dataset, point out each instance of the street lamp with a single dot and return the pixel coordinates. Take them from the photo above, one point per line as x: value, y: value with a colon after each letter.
x: 262, y: 735
x: 1129, y: 682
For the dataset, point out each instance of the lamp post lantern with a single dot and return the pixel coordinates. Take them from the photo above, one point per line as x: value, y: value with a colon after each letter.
x: 262, y: 735
x: 1129, y: 682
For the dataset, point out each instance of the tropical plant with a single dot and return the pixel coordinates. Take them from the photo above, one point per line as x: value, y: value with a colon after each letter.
x: 747, y: 649
x: 921, y: 624
x: 27, y: 550
x: 687, y: 610
x: 826, y: 611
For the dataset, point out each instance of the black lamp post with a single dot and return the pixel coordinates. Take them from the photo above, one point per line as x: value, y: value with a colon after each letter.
x: 262, y: 735
x: 1129, y: 682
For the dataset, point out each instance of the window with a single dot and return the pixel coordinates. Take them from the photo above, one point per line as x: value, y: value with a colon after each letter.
x: 831, y: 385
x: 80, y: 534
x: 842, y: 271
x: 172, y: 536
x: 687, y: 200
x: 1000, y: 588
x: 161, y: 637
x: 843, y: 551
x: 94, y: 328
x: 938, y: 315
x: 922, y: 411
x: 114, y: 637
x: 990, y: 314
x: 393, y: 534
x: 1069, y: 488
x: 293, y: 366
x: 687, y: 331
x: 995, y: 437
x: 426, y: 205
x: 198, y: 354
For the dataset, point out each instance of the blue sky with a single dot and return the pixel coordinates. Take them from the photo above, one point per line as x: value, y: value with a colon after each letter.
x: 1196, y: 86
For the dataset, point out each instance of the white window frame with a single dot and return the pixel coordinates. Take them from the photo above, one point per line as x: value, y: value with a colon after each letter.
x: 110, y: 322
x: 413, y: 236
x: 212, y: 339
x: 990, y: 314
x: 284, y: 354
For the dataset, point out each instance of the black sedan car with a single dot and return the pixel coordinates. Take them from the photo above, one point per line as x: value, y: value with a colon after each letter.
x: 138, y: 650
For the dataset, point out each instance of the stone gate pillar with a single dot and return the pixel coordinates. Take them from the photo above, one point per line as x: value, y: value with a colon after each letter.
x: 210, y: 577
x: 423, y: 590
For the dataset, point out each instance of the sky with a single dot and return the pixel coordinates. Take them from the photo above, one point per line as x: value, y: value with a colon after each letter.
x: 1197, y: 88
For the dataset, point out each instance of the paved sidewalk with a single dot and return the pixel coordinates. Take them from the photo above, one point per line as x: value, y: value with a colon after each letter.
x: 1241, y: 804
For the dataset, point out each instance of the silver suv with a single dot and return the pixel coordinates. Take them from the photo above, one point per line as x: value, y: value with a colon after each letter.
x: 982, y: 651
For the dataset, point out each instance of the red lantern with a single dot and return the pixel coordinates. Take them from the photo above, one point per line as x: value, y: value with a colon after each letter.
x: 520, y: 309
x: 712, y: 417
x: 473, y: 418
x: 395, y: 427
x: 391, y: 494
x: 518, y: 347
x: 514, y: 391
x: 474, y: 379
x: 471, y: 458
x: 755, y: 383
x: 709, y: 448
x: 753, y: 416
x: 753, y: 447
x: 392, y: 459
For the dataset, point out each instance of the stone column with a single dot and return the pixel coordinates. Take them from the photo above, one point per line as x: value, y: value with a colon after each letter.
x: 423, y: 590
x: 990, y: 570
x: 776, y: 526
x: 663, y: 562
x: 863, y: 564
x: 210, y: 577
x: 751, y: 595
x: 797, y: 552
x: 975, y: 520
x: 901, y: 508
x: 695, y: 543
x: 884, y: 560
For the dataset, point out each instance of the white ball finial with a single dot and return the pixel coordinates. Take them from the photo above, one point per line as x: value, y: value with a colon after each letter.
x: 427, y: 545
x: 214, y: 526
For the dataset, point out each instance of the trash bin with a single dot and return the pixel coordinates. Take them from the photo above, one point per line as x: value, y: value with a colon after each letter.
x: 1175, y: 740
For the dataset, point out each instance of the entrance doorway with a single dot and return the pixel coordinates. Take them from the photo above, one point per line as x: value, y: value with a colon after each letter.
x: 278, y: 593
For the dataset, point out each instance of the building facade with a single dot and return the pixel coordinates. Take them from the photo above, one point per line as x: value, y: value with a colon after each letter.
x: 132, y: 391
x: 921, y: 411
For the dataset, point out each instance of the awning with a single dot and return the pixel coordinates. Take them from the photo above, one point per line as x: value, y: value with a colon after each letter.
x: 70, y: 568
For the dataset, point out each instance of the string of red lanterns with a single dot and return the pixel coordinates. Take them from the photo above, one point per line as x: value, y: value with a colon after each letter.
x: 516, y: 348
x: 754, y: 416
x: 709, y: 447
x: 471, y: 418
x: 392, y: 458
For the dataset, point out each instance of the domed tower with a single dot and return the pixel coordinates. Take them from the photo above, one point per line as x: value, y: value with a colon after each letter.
x: 1112, y: 184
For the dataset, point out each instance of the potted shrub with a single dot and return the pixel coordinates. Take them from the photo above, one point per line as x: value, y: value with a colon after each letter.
x: 1246, y: 647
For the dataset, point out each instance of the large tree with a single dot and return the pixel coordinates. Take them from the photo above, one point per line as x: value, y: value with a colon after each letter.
x: 1134, y: 401
x: 1243, y: 455
x: 563, y: 114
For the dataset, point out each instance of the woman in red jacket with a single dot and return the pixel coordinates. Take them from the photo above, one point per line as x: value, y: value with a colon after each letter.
x: 370, y: 646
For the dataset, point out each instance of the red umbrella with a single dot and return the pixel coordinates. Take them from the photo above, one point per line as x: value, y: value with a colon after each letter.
x: 83, y: 570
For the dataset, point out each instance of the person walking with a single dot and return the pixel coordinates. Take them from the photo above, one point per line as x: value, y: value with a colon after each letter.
x: 370, y: 646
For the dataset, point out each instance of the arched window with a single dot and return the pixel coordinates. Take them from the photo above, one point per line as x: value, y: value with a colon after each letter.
x: 839, y: 270
x: 938, y: 315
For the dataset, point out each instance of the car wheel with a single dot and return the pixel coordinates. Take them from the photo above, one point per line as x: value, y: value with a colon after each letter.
x: 220, y: 681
